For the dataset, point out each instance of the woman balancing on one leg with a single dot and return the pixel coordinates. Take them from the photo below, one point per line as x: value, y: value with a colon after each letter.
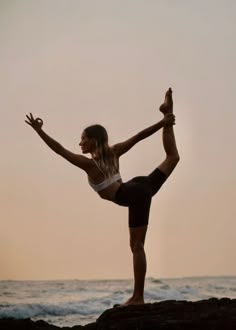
x: 103, y: 174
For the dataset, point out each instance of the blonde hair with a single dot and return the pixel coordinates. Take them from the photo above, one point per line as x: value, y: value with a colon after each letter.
x: 103, y: 154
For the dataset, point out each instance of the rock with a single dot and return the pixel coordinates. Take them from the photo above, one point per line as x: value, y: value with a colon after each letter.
x: 26, y: 324
x: 211, y: 314
x: 172, y: 315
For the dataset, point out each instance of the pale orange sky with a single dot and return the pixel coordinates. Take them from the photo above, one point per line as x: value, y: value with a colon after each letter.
x: 75, y: 63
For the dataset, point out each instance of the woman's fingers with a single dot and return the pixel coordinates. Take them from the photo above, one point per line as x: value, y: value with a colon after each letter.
x: 35, y: 123
x: 28, y: 123
x: 39, y: 120
x: 170, y: 119
x: 31, y: 119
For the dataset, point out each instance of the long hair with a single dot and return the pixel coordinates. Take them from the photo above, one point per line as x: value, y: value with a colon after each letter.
x: 103, y: 155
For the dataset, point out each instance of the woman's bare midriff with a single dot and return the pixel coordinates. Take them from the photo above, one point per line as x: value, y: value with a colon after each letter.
x: 109, y: 193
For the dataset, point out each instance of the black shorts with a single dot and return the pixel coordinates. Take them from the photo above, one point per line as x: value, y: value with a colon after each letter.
x: 136, y: 194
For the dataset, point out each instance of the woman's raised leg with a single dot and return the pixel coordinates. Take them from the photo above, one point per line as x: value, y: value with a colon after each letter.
x: 172, y: 155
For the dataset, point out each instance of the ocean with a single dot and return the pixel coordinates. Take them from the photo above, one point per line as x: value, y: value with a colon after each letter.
x: 79, y: 302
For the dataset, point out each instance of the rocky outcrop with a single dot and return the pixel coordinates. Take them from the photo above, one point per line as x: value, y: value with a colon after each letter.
x: 211, y: 314
x: 172, y: 315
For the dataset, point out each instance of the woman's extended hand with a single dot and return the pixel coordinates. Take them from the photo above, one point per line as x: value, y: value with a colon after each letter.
x: 169, y: 119
x: 36, y: 123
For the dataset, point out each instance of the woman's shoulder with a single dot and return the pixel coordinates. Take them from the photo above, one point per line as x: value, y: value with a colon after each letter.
x: 114, y: 150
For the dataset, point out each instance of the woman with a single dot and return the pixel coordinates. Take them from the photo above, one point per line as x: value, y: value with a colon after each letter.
x: 103, y: 176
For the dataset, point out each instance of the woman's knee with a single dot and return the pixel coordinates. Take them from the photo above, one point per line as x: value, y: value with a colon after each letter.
x: 169, y: 164
x: 137, y: 247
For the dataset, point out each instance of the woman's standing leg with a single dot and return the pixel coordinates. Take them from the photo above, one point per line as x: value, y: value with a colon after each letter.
x: 137, y: 195
x: 137, y: 240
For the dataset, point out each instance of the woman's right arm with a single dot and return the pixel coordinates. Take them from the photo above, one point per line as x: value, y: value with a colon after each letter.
x: 77, y: 160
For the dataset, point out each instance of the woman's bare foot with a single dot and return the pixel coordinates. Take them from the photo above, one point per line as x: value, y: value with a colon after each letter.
x: 167, y: 106
x: 132, y: 301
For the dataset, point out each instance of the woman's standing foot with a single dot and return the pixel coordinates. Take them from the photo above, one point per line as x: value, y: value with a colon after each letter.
x: 130, y: 301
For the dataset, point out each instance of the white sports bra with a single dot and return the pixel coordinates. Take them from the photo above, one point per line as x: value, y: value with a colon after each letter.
x: 106, y: 182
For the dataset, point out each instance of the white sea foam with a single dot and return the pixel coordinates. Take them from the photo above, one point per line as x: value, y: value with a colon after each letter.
x: 67, y: 303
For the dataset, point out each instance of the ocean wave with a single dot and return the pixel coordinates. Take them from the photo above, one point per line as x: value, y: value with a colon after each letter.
x: 164, y: 294
x: 156, y: 281
x: 42, y: 310
x: 79, y: 302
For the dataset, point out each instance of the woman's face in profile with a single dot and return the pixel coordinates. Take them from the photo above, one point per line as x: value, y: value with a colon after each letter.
x: 87, y: 145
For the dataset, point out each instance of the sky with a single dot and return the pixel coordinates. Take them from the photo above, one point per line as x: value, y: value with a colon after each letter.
x: 79, y: 62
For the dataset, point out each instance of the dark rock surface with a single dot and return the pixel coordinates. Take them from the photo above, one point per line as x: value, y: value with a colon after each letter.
x: 211, y: 314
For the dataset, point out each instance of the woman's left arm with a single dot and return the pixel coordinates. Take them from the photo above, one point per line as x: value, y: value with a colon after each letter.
x: 122, y: 147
